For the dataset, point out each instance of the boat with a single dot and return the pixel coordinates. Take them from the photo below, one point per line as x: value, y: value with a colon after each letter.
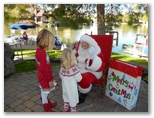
x: 138, y: 49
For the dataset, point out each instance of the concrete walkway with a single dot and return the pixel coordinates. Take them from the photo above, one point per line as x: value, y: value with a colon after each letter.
x: 22, y: 94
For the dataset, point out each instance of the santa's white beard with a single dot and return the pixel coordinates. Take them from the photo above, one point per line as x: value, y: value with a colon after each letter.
x: 83, y: 54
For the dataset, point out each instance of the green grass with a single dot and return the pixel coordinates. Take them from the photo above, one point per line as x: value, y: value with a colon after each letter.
x: 28, y: 66
x: 25, y: 66
x: 55, y: 54
x: 123, y: 57
x: 129, y: 58
x: 28, y: 53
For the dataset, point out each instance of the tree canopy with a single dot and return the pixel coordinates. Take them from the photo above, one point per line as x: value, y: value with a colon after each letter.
x: 15, y: 12
x: 75, y: 15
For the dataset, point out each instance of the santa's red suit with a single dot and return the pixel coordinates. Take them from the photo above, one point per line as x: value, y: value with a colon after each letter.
x: 90, y: 62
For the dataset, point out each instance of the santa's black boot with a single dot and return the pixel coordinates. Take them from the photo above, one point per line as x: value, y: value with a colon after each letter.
x: 82, y: 97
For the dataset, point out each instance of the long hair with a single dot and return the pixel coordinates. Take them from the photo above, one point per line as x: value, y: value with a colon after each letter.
x: 45, y: 39
x: 68, y: 58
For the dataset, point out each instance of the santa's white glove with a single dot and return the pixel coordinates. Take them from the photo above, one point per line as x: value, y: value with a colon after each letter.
x: 92, y: 52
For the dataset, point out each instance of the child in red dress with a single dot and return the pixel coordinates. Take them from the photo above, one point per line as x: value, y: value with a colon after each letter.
x: 44, y: 41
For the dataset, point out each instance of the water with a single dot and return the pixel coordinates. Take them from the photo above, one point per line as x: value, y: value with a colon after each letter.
x: 127, y: 35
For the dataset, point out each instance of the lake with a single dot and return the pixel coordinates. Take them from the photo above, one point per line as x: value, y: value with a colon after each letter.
x: 127, y: 34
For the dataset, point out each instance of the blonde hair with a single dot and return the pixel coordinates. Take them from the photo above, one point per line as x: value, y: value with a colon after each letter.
x: 68, y: 58
x: 45, y: 39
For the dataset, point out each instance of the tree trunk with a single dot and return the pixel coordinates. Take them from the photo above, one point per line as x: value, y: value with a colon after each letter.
x: 100, y: 19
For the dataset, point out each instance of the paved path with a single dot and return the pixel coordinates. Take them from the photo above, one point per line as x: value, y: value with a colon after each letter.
x: 21, y: 94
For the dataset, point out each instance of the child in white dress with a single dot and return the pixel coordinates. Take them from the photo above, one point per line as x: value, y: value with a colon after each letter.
x: 70, y: 75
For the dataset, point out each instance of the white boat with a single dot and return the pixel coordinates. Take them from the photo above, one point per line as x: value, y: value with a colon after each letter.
x: 138, y: 49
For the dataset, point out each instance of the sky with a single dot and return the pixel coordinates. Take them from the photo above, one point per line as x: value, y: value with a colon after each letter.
x: 123, y: 115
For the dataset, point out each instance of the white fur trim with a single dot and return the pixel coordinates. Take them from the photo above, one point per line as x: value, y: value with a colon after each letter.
x: 97, y: 74
x: 85, y: 90
x: 91, y: 42
x: 96, y: 64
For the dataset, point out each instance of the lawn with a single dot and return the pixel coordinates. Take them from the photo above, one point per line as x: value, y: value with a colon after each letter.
x: 129, y: 58
x: 30, y: 65
x: 28, y: 53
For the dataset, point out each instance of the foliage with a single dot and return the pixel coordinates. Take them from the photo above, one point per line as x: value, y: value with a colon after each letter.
x: 50, y: 20
x: 135, y: 13
x: 113, y: 16
x: 13, y: 13
x: 47, y: 7
x: 145, y: 17
x: 145, y: 78
x: 74, y: 15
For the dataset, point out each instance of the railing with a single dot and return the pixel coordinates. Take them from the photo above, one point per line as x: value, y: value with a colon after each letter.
x: 115, y: 36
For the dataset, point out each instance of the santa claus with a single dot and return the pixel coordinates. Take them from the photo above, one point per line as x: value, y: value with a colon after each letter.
x: 90, y: 62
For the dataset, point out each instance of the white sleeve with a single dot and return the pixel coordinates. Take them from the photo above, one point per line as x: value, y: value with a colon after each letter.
x: 96, y: 64
x: 78, y: 77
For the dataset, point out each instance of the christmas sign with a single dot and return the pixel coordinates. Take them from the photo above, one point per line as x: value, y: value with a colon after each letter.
x: 123, y: 83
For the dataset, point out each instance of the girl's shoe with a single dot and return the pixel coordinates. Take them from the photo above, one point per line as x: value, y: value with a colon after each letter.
x: 52, y: 104
x: 73, y: 109
x: 47, y: 107
x: 66, y: 107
